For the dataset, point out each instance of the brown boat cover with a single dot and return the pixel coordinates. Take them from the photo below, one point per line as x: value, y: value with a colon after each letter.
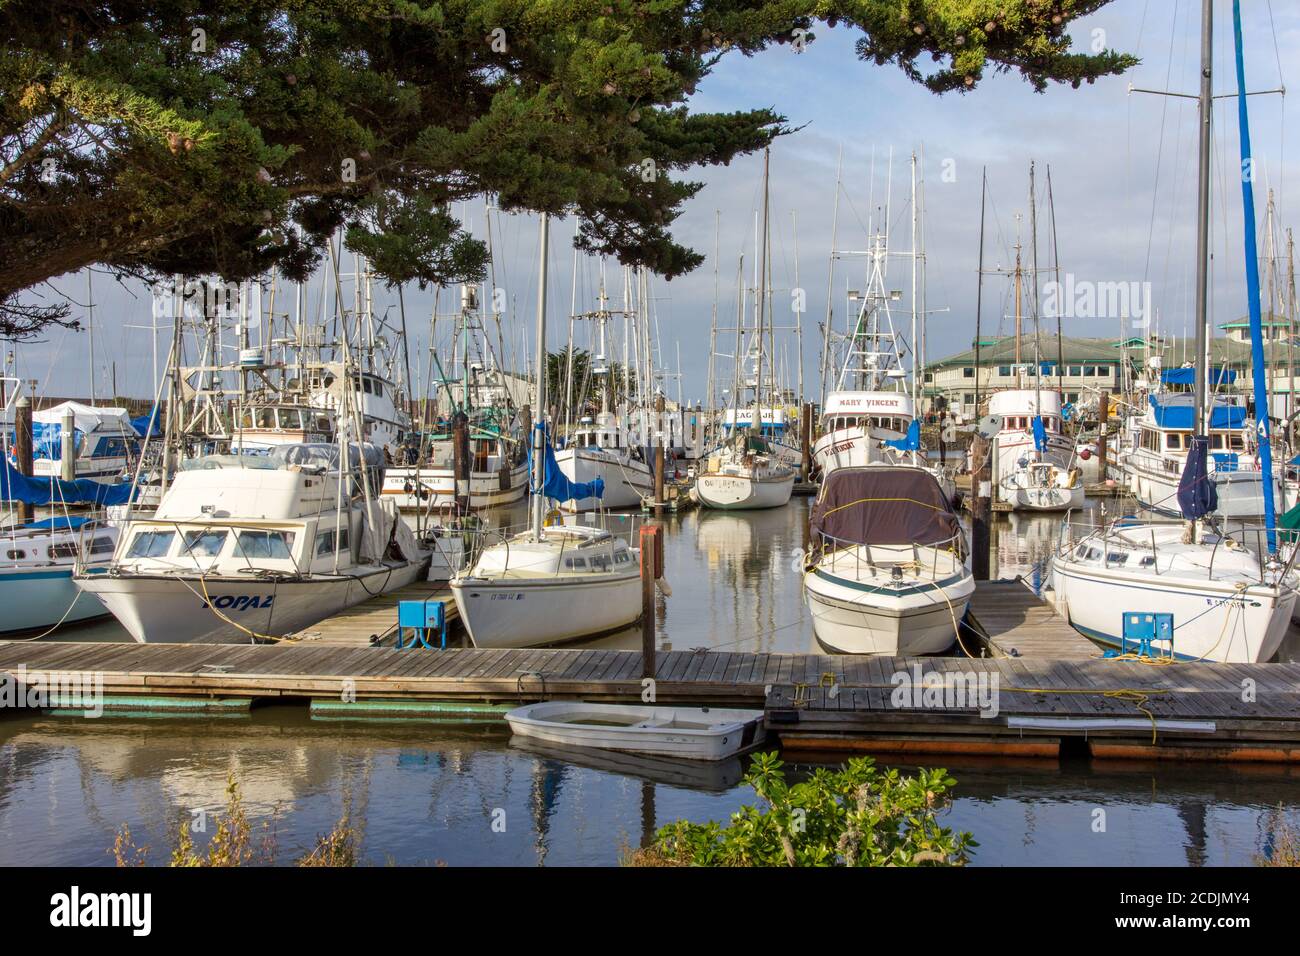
x: 883, y: 504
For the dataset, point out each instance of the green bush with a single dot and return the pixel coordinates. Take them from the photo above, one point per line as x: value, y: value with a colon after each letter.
x: 856, y: 816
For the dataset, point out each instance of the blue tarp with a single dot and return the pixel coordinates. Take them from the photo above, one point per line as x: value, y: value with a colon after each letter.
x: 1225, y: 461
x: 1040, y: 433
x: 555, y: 483
x: 1196, y: 494
x: 1184, y: 416
x: 141, y: 424
x: 1187, y: 376
x: 60, y: 523
x: 47, y: 440
x: 44, y: 491
x: 911, y: 441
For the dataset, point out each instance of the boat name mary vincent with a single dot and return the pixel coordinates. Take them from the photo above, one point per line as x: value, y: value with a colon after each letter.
x: 918, y: 689
x: 75, y: 690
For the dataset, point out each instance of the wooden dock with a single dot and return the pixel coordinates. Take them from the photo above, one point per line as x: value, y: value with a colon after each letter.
x: 833, y: 703
x: 1012, y: 621
x: 375, y: 621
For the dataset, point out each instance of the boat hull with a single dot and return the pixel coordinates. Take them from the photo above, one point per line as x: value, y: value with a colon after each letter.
x: 433, y: 489
x: 1211, y: 622
x: 851, y: 619
x: 185, y: 609
x: 529, y: 612
x: 627, y: 482
x: 687, y: 733
x: 1240, y: 493
x: 738, y: 492
x: 43, y: 597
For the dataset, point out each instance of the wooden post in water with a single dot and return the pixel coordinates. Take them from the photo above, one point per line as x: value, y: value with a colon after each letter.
x: 460, y: 461
x: 652, y: 565
x: 1103, y: 423
x: 23, y: 447
x: 981, y: 505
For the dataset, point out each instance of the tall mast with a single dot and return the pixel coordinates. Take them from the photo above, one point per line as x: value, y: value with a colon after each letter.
x: 1201, y: 311
x: 761, y: 296
x: 539, y: 433
x: 830, y: 279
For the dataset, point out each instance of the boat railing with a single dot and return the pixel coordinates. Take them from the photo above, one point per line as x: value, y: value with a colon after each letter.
x: 835, y: 548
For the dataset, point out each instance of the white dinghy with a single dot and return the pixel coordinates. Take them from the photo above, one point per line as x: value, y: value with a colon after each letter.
x: 691, y: 733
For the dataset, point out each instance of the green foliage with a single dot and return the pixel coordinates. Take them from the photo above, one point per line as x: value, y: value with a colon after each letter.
x: 856, y: 816
x: 173, y: 136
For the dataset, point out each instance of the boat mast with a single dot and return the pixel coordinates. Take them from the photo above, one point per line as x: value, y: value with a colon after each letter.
x: 830, y: 279
x: 760, y: 296
x: 539, y: 433
x: 1200, y: 311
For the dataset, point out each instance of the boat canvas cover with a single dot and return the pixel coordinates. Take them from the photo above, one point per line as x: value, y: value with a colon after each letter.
x: 883, y: 505
x: 1187, y: 376
x: 1172, y: 413
x: 1196, y: 494
x: 555, y: 483
x: 15, y: 486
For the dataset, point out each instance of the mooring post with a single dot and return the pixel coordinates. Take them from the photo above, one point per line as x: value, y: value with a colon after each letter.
x: 460, y: 461
x: 981, y: 486
x: 68, y: 446
x: 652, y: 563
x: 23, y: 447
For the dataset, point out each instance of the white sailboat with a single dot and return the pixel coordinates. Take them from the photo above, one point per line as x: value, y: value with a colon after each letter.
x: 1191, y: 593
x: 551, y: 583
x: 746, y: 472
x: 1035, y: 462
x: 36, y: 565
x: 887, y: 569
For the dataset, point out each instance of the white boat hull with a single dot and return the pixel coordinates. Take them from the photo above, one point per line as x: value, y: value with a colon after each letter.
x: 848, y: 619
x: 1050, y: 498
x: 627, y: 482
x: 850, y: 448
x: 688, y: 733
x: 434, y: 489
x: 42, y: 597
x: 184, y: 609
x: 736, y: 492
x: 524, y: 612
x: 1213, y: 622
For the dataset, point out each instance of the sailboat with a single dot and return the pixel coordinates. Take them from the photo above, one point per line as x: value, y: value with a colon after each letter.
x: 1191, y: 593
x: 747, y: 472
x: 554, y: 582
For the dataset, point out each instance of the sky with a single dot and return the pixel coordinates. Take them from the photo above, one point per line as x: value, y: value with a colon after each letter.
x: 1123, y: 175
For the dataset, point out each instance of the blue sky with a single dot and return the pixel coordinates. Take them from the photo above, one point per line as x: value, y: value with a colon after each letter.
x: 1123, y: 175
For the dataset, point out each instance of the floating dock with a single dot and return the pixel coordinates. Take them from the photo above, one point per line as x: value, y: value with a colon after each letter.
x: 374, y: 622
x: 1011, y: 621
x: 1023, y: 706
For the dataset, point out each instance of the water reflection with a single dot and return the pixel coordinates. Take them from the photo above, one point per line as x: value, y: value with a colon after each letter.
x: 468, y: 795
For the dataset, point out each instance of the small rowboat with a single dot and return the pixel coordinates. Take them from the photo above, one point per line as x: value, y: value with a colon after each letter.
x: 692, y: 733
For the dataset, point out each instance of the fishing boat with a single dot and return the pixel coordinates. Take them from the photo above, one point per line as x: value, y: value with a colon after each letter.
x: 1155, y: 463
x: 498, y: 475
x: 250, y: 548
x: 1035, y: 465
x: 887, y: 569
x: 601, y: 449
x: 36, y: 564
x: 691, y: 733
x: 553, y: 582
x: 1191, y: 592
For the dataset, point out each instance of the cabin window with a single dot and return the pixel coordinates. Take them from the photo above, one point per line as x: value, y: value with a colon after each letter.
x: 580, y: 563
x: 1235, y: 443
x: 15, y: 555
x: 1172, y: 440
x: 968, y: 373
x: 63, y: 550
x: 246, y: 418
x: 1089, y: 371
x: 276, y: 545
x: 151, y: 544
x: 622, y: 557
x: 203, y: 544
x: 601, y: 562
x: 102, y: 546
x: 1216, y: 442
x: 322, y: 423
x: 325, y: 542
x: 379, y: 388
x: 365, y: 385
x: 290, y: 418
x: 1004, y: 371
x: 266, y: 418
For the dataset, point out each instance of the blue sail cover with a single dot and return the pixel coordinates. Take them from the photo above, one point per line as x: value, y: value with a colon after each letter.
x: 1187, y: 376
x: 15, y: 486
x: 555, y: 483
x: 1040, y: 434
x: 1196, y: 494
x: 909, y: 442
x: 141, y: 424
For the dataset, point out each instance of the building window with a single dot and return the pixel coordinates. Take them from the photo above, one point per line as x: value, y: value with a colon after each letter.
x: 968, y: 373
x: 1076, y: 371
x: 929, y: 376
x: 1004, y: 371
x: 1089, y: 371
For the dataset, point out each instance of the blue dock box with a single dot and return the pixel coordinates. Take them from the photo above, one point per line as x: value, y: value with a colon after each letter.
x: 421, y: 617
x: 1142, y: 628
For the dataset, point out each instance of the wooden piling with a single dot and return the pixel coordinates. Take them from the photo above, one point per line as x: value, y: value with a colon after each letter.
x: 460, y: 461
x: 652, y: 561
x: 23, y: 447
x: 1103, y: 423
x: 805, y: 439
